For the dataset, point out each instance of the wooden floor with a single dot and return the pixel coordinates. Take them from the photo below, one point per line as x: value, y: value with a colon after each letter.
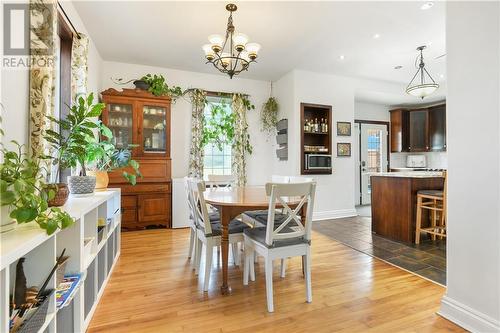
x: 153, y: 289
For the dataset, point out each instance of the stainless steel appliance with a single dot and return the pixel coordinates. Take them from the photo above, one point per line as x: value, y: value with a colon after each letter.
x: 318, y: 161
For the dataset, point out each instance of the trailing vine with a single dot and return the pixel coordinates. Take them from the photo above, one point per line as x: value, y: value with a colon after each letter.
x: 269, y: 114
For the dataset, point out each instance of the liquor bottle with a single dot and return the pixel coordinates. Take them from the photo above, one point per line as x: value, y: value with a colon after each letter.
x: 326, y: 127
x: 306, y: 126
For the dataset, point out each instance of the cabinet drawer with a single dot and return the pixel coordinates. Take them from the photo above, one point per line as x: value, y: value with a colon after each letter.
x: 129, y: 201
x: 145, y: 188
x: 151, y: 170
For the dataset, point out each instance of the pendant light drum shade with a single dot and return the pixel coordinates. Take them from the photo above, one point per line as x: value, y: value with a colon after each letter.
x: 422, y: 84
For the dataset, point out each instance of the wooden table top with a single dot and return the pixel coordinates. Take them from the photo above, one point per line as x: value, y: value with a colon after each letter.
x: 245, y: 196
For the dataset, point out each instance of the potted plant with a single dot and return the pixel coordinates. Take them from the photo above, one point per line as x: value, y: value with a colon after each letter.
x: 269, y: 115
x: 79, y: 137
x: 155, y: 84
x: 24, y: 194
x: 106, y: 158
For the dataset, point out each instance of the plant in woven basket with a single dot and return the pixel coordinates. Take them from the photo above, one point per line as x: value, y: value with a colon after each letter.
x: 25, y: 194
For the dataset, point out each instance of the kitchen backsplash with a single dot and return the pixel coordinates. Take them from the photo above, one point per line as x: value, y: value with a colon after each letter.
x: 435, y: 160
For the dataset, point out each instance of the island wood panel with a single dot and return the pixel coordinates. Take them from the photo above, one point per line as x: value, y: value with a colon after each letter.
x: 394, y: 205
x: 154, y: 289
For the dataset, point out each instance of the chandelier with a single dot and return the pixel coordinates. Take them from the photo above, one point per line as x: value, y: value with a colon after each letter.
x: 232, y: 54
x: 421, y: 87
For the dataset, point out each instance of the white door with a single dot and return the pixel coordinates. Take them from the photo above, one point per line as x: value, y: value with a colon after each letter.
x: 373, y: 157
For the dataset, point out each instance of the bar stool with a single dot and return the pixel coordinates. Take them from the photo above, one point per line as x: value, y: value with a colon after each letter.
x: 435, y: 201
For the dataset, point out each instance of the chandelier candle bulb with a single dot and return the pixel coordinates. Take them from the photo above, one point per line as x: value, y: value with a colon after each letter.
x: 209, y: 53
x: 253, y: 50
x: 240, y: 40
x: 217, y: 41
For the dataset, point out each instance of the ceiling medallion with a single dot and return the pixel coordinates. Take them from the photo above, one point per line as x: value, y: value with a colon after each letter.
x: 421, y: 87
x: 233, y: 54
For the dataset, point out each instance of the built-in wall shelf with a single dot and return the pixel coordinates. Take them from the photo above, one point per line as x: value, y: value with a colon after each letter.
x: 41, y: 250
x: 315, y: 137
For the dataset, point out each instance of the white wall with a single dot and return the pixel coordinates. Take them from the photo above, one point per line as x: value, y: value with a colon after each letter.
x: 259, y: 164
x: 335, y: 193
x: 15, y: 87
x: 371, y: 111
x: 473, y: 264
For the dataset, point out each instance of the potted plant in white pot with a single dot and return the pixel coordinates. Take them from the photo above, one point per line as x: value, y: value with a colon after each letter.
x: 25, y: 195
x: 79, y: 135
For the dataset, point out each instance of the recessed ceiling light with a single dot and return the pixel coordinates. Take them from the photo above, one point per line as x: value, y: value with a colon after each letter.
x: 427, y: 5
x: 341, y: 57
x: 376, y: 36
x: 441, y: 76
x: 398, y: 67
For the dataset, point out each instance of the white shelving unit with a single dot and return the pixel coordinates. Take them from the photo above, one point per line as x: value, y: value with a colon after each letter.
x: 40, y: 251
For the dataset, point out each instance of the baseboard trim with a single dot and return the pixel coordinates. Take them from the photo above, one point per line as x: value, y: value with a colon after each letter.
x: 334, y: 214
x: 467, y: 317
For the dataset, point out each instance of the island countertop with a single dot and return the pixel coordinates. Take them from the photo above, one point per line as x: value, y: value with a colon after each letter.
x: 410, y: 174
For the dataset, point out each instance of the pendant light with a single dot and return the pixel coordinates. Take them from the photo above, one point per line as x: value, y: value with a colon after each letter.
x: 419, y: 86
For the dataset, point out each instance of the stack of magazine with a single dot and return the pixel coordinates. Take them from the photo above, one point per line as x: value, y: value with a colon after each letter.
x: 67, y: 289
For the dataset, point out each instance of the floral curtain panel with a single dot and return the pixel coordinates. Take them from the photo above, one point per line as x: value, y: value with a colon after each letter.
x: 79, y: 66
x: 241, y: 144
x: 196, y: 152
x: 43, y: 72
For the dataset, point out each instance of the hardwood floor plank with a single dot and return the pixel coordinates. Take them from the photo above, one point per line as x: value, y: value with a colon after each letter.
x: 153, y: 289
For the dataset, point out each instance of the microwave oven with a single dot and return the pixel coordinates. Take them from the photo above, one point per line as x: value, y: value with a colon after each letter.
x: 318, y: 161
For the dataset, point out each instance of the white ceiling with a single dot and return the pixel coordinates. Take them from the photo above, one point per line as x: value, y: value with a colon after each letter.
x: 293, y: 35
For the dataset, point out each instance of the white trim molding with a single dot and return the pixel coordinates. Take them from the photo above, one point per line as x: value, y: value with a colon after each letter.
x: 467, y: 317
x: 334, y: 214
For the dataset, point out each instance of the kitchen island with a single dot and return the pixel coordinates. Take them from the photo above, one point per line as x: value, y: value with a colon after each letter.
x: 394, y: 202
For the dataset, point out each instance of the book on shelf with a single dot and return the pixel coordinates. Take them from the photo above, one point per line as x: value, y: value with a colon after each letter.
x: 67, y: 289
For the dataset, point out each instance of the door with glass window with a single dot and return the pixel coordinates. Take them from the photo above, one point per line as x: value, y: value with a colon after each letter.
x: 373, y: 156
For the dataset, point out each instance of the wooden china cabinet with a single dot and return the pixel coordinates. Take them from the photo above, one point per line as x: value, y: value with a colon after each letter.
x: 138, y: 117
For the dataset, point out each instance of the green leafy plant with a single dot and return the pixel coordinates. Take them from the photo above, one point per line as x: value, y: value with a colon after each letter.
x: 219, y: 128
x: 79, y: 128
x: 159, y: 87
x: 269, y: 115
x: 24, y: 192
x: 106, y: 157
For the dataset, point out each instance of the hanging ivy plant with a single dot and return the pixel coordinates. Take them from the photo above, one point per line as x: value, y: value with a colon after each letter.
x: 269, y: 115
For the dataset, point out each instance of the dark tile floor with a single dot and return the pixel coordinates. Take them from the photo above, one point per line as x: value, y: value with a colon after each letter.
x: 427, y: 259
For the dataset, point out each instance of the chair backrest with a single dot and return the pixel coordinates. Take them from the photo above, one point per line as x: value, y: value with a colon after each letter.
x: 280, y: 193
x: 280, y: 179
x: 221, y: 181
x: 201, y: 216
x: 189, y: 197
x: 297, y: 179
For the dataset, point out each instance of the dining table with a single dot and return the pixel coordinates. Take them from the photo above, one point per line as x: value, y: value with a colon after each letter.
x: 233, y: 201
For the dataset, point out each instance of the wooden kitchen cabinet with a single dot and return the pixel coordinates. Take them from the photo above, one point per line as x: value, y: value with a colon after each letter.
x: 418, y: 130
x: 139, y: 118
x: 437, y: 128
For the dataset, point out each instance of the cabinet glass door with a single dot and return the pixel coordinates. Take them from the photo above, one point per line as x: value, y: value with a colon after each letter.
x: 154, y: 129
x: 120, y: 123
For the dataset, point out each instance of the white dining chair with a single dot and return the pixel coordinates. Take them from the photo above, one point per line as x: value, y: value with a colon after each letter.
x: 280, y: 179
x: 209, y: 233
x: 290, y: 237
x: 192, y: 224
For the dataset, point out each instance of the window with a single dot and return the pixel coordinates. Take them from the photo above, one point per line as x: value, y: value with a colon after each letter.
x: 217, y: 161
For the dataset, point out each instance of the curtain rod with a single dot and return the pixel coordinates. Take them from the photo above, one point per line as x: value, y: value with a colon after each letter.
x: 218, y: 93
x: 69, y: 21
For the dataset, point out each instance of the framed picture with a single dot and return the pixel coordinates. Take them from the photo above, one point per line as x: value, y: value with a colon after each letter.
x: 343, y: 128
x: 343, y: 149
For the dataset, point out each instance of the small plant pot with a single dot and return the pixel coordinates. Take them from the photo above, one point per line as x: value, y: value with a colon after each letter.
x: 62, y: 194
x: 102, y: 179
x: 141, y: 84
x: 6, y: 223
x: 81, y: 185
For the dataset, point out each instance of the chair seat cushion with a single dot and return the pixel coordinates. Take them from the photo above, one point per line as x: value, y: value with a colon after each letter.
x: 214, y: 217
x: 261, y: 216
x: 259, y: 235
x: 434, y: 193
x: 235, y: 227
